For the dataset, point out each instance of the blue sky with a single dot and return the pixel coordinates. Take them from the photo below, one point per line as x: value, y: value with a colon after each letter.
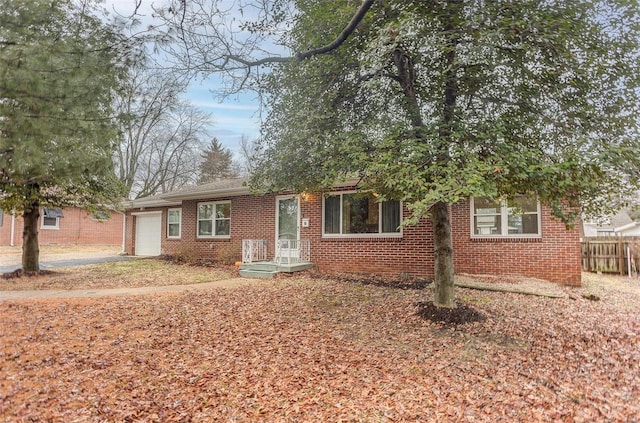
x: 231, y: 118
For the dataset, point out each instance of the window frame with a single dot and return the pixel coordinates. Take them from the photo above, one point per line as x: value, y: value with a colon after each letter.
x: 179, y: 223
x: 100, y: 216
x: 378, y: 234
x: 57, y: 218
x: 213, y: 220
x: 52, y: 227
x: 504, y: 222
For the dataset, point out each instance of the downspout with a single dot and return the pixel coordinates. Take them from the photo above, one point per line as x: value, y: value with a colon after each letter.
x: 13, y: 228
x: 123, y: 252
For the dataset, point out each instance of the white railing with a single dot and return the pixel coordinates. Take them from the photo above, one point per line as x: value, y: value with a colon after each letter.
x: 293, y: 251
x: 254, y: 250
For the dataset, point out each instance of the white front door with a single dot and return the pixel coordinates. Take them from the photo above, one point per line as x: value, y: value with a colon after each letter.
x: 287, y: 229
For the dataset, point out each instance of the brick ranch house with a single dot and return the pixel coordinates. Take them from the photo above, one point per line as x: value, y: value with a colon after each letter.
x: 70, y: 226
x: 345, y: 231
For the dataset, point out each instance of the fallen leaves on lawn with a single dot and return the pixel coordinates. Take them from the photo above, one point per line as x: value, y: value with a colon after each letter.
x: 449, y: 316
x: 306, y: 349
x: 125, y: 274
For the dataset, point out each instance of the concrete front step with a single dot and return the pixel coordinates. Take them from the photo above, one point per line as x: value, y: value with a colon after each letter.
x: 260, y: 274
x: 264, y: 266
x: 268, y: 269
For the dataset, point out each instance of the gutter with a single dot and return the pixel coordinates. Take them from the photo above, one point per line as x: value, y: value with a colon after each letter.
x: 230, y: 192
x: 140, y: 204
x: 198, y: 193
x: 625, y: 227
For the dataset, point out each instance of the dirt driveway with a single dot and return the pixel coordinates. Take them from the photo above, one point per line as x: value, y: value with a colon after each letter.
x: 12, y: 256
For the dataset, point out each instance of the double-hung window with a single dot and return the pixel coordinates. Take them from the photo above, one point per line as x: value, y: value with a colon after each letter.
x: 51, y: 217
x: 174, y: 223
x: 519, y: 217
x: 214, y: 219
x: 357, y: 214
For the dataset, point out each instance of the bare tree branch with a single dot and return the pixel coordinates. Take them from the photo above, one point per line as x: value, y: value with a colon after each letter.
x: 340, y: 39
x: 161, y: 135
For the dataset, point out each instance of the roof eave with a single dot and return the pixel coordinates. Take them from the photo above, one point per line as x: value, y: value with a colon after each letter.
x: 135, y: 204
x: 230, y: 192
x: 625, y: 227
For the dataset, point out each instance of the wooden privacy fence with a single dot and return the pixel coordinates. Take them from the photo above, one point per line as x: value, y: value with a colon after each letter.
x: 609, y: 254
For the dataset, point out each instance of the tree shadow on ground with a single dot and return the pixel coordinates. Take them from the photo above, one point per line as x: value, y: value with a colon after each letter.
x: 18, y: 273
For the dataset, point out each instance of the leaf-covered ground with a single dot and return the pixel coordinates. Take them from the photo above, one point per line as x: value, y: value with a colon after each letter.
x: 305, y: 349
x: 126, y: 274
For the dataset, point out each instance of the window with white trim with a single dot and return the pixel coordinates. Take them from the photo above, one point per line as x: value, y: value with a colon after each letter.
x: 214, y: 219
x: 100, y: 216
x: 356, y: 214
x: 51, y: 217
x: 174, y: 223
x: 519, y: 217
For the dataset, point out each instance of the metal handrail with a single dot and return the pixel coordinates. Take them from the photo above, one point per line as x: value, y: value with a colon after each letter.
x: 293, y: 251
x: 254, y: 250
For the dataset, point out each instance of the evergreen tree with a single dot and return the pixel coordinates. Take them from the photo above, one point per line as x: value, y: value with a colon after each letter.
x: 217, y: 163
x: 60, y: 66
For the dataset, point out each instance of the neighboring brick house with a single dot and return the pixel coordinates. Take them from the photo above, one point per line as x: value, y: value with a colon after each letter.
x: 351, y: 232
x: 71, y: 226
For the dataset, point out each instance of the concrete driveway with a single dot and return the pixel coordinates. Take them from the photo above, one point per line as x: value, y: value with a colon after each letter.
x: 62, y: 256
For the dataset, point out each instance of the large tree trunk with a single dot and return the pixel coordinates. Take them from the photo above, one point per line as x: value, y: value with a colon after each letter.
x: 443, y: 256
x: 442, y: 242
x: 30, y: 248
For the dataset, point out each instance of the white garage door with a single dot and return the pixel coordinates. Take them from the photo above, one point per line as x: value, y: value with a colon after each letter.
x: 148, y: 233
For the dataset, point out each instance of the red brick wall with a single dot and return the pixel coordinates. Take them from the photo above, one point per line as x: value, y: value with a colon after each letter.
x: 252, y: 217
x: 5, y: 229
x: 555, y: 257
x: 412, y: 254
x: 129, y: 233
x: 76, y: 227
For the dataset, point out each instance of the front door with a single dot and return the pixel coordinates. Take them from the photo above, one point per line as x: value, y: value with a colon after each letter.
x: 287, y: 229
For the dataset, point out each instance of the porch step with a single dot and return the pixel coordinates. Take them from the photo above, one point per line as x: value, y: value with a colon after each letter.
x: 263, y: 266
x: 268, y: 269
x: 298, y: 267
x: 260, y: 274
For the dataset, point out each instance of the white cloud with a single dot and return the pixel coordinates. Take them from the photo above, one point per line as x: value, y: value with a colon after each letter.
x: 223, y: 106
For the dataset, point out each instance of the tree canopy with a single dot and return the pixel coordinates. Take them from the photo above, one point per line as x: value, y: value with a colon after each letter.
x: 431, y: 102
x: 60, y: 65
x: 438, y: 101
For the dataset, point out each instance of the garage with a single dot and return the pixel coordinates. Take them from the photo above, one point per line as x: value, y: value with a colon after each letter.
x: 148, y: 234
